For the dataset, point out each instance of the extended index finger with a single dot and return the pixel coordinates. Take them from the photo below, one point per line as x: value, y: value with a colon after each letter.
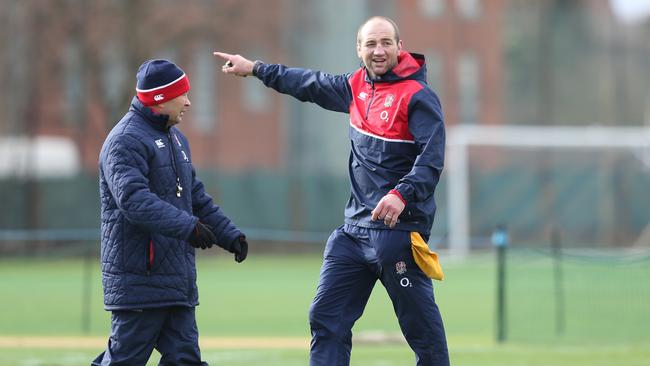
x: 223, y: 55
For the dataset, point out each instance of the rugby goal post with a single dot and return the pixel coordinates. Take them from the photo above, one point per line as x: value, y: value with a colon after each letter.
x: 462, y: 137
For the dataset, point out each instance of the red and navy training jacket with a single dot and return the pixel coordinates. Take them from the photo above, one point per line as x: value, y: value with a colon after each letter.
x: 397, y: 134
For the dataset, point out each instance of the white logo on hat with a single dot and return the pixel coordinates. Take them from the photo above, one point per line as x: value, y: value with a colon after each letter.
x: 158, y: 97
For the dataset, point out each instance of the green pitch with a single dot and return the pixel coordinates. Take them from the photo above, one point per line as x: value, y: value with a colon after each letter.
x: 269, y: 296
x: 461, y: 355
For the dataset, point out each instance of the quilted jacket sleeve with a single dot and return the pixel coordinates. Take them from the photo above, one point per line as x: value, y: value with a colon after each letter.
x: 211, y: 215
x: 126, y: 169
x: 427, y: 127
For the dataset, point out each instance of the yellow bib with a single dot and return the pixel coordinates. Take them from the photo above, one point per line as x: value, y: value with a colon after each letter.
x: 425, y: 258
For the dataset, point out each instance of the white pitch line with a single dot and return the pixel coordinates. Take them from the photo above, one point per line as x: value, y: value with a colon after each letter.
x: 65, y: 342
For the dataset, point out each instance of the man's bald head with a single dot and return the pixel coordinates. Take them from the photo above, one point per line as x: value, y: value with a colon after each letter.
x: 377, y: 19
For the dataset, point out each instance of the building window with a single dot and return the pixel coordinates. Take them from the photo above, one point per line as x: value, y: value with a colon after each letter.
x: 256, y: 95
x: 468, y: 87
x: 114, y: 73
x: 203, y: 91
x: 469, y: 9
x: 73, y: 79
x: 434, y: 72
x: 432, y: 8
x: 168, y: 53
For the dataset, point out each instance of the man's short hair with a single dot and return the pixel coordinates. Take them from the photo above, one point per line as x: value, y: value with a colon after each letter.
x: 389, y: 20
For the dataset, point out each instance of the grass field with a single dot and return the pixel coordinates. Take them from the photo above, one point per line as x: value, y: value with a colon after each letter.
x: 268, y: 296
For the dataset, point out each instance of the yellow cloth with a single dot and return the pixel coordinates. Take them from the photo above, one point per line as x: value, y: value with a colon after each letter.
x: 425, y: 258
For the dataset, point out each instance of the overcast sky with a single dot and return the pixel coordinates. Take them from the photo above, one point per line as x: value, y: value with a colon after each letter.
x: 631, y: 10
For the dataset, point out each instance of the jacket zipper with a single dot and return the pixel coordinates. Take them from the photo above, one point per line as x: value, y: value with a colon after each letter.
x: 372, y: 97
x: 179, y: 188
x: 150, y: 256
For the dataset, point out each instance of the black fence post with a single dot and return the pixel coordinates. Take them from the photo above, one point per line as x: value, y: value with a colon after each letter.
x: 86, y: 289
x: 500, y: 242
x: 558, y: 276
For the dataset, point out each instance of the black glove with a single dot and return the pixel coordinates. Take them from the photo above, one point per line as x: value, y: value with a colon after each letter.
x: 240, y: 248
x: 202, y: 237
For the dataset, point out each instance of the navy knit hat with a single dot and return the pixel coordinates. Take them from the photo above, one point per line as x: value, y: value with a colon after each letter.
x: 160, y: 81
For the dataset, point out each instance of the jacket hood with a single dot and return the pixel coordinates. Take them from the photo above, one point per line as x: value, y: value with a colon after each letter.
x: 158, y: 121
x: 409, y: 66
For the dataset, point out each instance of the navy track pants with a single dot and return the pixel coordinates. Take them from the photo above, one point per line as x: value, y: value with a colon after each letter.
x: 354, y: 259
x: 135, y: 334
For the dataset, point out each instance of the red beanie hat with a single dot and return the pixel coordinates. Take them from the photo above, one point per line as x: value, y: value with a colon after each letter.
x: 160, y: 81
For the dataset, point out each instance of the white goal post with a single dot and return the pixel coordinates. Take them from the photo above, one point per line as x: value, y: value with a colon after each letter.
x: 461, y: 137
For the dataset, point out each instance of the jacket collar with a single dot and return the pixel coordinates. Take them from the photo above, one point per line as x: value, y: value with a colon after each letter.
x: 409, y: 66
x: 158, y: 121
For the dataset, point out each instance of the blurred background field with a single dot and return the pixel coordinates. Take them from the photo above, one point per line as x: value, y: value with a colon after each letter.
x: 547, y: 108
x: 268, y: 296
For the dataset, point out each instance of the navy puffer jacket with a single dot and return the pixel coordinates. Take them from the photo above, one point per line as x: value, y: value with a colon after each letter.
x: 146, y: 260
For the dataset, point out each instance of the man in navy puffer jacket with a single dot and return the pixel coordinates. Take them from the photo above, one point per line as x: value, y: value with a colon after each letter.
x: 154, y: 213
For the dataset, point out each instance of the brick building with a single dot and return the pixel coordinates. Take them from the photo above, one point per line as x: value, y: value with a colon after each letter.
x: 72, y: 68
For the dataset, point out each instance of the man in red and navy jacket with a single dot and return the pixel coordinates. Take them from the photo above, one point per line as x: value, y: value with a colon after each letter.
x: 397, y: 154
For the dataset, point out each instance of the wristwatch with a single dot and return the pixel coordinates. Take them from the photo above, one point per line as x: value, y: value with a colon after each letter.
x: 256, y: 66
